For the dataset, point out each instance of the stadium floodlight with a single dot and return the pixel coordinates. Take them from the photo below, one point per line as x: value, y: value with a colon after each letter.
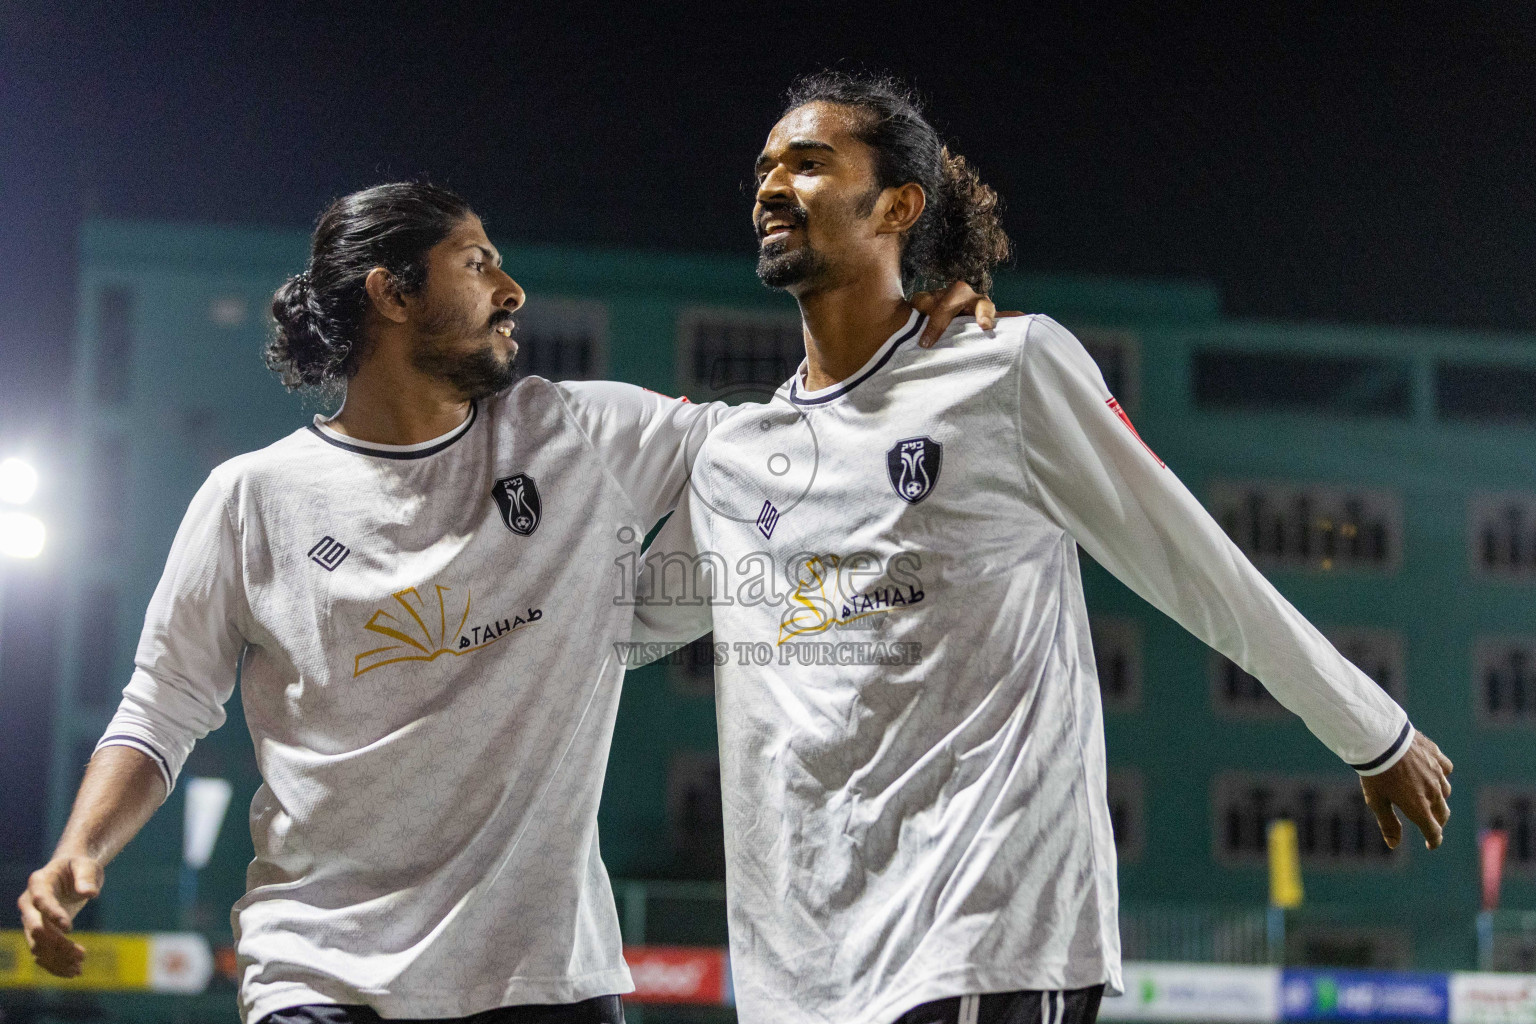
x: 21, y: 535
x: 18, y: 481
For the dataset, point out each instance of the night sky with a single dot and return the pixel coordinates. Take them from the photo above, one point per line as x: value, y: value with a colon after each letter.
x: 1313, y: 165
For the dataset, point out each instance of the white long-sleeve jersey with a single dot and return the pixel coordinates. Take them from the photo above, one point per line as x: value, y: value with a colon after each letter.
x: 911, y: 746
x: 425, y: 642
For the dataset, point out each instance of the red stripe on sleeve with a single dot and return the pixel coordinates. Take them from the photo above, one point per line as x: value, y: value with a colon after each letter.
x: 1114, y: 404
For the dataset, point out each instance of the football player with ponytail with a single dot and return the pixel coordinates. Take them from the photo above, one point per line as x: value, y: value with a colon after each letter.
x: 912, y: 756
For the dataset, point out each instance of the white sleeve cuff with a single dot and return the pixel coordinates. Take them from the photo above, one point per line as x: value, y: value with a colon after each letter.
x: 143, y: 747
x: 1391, y: 755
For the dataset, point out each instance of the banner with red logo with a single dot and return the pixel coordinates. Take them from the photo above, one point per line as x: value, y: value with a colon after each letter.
x: 678, y: 974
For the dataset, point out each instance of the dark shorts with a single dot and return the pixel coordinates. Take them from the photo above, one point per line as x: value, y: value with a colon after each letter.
x: 602, y: 1010
x: 1074, y: 1006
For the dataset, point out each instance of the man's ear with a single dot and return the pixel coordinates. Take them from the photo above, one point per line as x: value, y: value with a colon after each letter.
x: 384, y: 293
x: 903, y: 206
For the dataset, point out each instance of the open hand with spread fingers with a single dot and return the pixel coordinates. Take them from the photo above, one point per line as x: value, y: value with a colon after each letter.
x: 1419, y: 785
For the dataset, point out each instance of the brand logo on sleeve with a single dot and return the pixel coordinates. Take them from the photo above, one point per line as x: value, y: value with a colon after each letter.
x: 914, y: 467
x: 329, y: 553
x: 518, y: 498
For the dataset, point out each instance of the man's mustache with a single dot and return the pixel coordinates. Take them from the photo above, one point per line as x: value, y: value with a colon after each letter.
x: 795, y: 212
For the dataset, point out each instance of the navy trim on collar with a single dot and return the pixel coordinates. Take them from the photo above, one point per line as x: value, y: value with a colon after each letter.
x: 843, y: 389
x: 474, y: 410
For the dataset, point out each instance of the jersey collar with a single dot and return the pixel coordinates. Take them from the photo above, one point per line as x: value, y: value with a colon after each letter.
x: 394, y: 451
x: 882, y: 355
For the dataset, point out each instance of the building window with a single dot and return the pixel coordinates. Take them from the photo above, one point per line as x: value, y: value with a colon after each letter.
x: 692, y: 668
x: 1314, y: 527
x: 1501, y: 532
x: 107, y: 498
x: 562, y: 339
x: 114, y: 344
x: 1119, y: 359
x: 1127, y: 813
x: 1333, y: 825
x: 96, y: 682
x: 1294, y: 382
x: 1513, y: 809
x: 1504, y: 673
x: 1377, y: 653
x: 1117, y: 657
x: 1486, y: 394
x: 736, y: 353
x: 695, y: 814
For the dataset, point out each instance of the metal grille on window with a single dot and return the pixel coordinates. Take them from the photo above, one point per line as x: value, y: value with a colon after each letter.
x: 1127, y: 813
x: 1513, y: 810
x: 1502, y: 536
x: 735, y: 353
x: 1119, y: 359
x: 1504, y: 673
x: 1333, y: 825
x: 1311, y: 526
x: 1117, y: 656
x: 562, y: 339
x: 1376, y: 652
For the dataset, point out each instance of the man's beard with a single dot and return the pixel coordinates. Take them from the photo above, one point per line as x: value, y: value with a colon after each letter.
x: 478, y: 373
x: 780, y: 267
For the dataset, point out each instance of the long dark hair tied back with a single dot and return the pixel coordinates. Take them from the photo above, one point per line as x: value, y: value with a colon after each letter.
x: 319, y: 312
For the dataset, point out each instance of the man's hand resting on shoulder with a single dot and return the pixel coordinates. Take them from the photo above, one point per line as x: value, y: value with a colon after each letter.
x: 959, y: 299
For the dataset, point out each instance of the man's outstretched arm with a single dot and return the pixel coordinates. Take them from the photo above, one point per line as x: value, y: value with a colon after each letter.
x: 1098, y: 481
x: 184, y: 671
x: 121, y: 789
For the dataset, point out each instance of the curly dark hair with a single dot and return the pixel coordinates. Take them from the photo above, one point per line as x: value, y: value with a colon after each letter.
x: 319, y: 312
x: 959, y: 236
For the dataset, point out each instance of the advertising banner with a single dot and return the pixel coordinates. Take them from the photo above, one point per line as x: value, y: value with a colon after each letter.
x: 157, y: 962
x: 1328, y: 995
x: 1493, y: 998
x: 678, y: 974
x: 1196, y: 992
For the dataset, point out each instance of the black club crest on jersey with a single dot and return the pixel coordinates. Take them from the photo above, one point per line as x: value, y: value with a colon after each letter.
x: 518, y: 498
x: 914, y: 467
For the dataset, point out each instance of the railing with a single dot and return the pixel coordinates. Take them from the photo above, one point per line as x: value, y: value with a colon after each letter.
x: 1199, y: 935
x: 1506, y: 940
x: 693, y: 913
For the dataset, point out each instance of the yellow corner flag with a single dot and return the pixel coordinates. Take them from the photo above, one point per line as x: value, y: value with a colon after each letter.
x: 1284, y: 865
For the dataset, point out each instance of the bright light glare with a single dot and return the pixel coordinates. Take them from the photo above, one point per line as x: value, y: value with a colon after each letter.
x: 18, y: 481
x: 21, y: 535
